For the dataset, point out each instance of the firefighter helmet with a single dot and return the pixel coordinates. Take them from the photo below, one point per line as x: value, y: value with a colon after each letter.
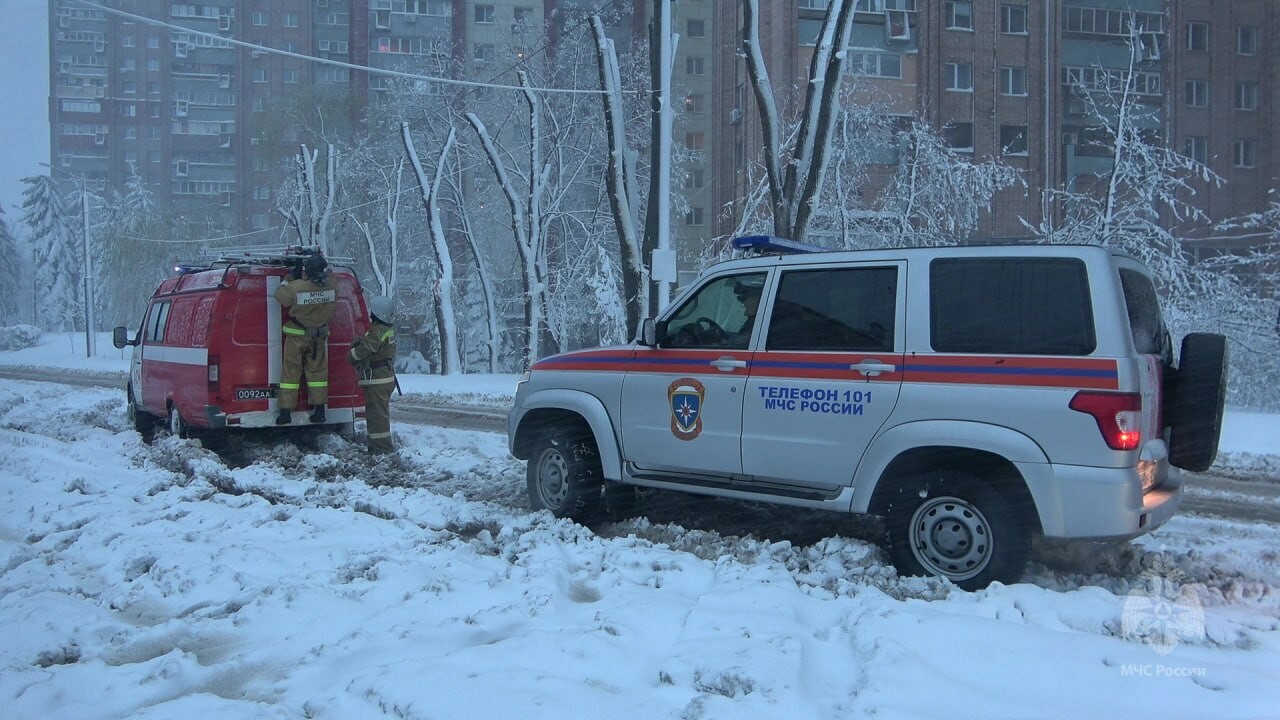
x: 315, y: 266
x: 382, y: 308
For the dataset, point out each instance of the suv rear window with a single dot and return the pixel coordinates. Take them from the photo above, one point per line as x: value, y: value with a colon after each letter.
x: 1014, y: 306
x: 1145, y: 321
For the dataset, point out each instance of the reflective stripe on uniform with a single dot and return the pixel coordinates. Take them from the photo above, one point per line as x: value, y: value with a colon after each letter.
x: 378, y: 381
x: 289, y: 386
x: 388, y: 334
x: 291, y: 330
x: 379, y: 436
x: 317, y: 383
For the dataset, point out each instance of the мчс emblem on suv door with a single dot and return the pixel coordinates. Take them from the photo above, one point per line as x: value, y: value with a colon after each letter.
x: 684, y: 397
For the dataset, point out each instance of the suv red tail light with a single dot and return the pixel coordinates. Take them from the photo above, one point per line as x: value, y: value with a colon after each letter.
x: 1119, y: 416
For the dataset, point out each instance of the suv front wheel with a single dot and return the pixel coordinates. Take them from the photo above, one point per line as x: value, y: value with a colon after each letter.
x: 952, y: 525
x: 564, y: 474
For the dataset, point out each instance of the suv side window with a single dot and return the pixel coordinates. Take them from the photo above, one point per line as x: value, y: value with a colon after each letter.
x: 1013, y: 306
x: 720, y: 314
x: 1150, y: 336
x: 846, y: 309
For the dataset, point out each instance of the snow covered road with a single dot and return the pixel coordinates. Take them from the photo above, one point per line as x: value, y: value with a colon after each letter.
x: 157, y: 582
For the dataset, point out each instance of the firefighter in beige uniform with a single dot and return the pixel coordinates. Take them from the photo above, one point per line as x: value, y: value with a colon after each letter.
x: 310, y: 302
x: 374, y: 355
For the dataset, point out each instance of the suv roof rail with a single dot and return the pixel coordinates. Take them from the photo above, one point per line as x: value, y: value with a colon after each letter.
x: 770, y: 245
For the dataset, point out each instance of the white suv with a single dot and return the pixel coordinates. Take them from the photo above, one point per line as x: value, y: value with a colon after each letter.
x: 972, y: 396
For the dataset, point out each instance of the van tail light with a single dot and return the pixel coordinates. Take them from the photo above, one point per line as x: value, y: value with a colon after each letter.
x: 213, y: 369
x: 1119, y: 416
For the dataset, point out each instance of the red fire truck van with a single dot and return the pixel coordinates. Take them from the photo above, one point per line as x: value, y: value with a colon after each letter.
x: 208, y: 354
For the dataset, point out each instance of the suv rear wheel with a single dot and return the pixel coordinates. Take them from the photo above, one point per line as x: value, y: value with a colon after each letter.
x: 564, y: 474
x: 953, y: 525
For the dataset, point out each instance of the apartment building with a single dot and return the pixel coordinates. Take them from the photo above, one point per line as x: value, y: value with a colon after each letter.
x: 1002, y: 78
x: 207, y: 123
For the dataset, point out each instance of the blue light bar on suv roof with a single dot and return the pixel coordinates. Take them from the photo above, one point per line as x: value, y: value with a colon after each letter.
x: 768, y: 244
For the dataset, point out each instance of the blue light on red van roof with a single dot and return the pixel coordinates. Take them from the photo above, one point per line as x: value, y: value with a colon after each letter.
x: 187, y: 268
x: 768, y: 244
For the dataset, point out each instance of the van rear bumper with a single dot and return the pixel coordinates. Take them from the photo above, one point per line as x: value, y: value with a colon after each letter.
x: 267, y: 418
x: 1098, y: 504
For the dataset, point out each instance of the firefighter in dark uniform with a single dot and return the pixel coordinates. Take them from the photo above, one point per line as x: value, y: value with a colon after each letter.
x: 374, y: 356
x: 310, y: 300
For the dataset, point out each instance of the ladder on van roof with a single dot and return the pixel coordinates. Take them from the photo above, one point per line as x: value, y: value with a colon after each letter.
x: 275, y: 256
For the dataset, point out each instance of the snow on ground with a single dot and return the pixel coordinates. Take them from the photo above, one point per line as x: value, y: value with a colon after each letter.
x: 158, y: 581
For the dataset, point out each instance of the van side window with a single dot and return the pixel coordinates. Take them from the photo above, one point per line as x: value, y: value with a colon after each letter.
x: 1013, y: 306
x: 848, y: 309
x: 156, y: 323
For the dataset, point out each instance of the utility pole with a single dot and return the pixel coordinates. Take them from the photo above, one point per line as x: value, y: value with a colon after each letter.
x: 90, y: 338
x: 663, y: 262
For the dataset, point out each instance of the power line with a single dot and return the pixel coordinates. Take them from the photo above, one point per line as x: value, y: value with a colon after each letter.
x: 327, y: 61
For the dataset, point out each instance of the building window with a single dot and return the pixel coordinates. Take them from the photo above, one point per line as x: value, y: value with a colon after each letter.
x: 289, y: 20
x: 129, y: 87
x: 1013, y: 80
x: 1247, y: 40
x: 1013, y: 139
x: 695, y: 66
x: 694, y: 216
x: 153, y: 133
x: 259, y: 75
x: 1013, y: 19
x: 522, y: 19
x: 959, y: 14
x: 1197, y: 36
x: 153, y: 156
x: 959, y: 135
x: 153, y: 42
x: 153, y: 87
x: 694, y: 179
x: 129, y: 65
x: 484, y: 53
x: 131, y: 133
x: 128, y: 110
x: 1246, y: 96
x: 262, y: 192
x: 1196, y: 147
x: 154, y: 110
x: 382, y: 19
x: 697, y: 28
x: 485, y: 14
x: 290, y: 77
x: 259, y: 104
x: 1242, y: 154
x: 959, y: 77
x: 258, y: 18
x: 695, y: 103
x: 1197, y: 93
x: 128, y: 41
x: 153, y: 65
x: 695, y: 141
x: 874, y: 64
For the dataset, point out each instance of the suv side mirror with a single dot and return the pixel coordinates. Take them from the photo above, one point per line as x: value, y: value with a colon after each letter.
x: 120, y: 337
x: 648, y: 336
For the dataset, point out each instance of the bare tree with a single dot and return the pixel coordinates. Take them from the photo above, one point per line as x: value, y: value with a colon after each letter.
x: 793, y: 191
x: 620, y: 181
x: 385, y: 265
x: 450, y: 360
x: 308, y: 213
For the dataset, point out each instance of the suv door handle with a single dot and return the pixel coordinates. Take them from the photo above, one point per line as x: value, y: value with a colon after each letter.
x: 728, y: 364
x: 872, y: 368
